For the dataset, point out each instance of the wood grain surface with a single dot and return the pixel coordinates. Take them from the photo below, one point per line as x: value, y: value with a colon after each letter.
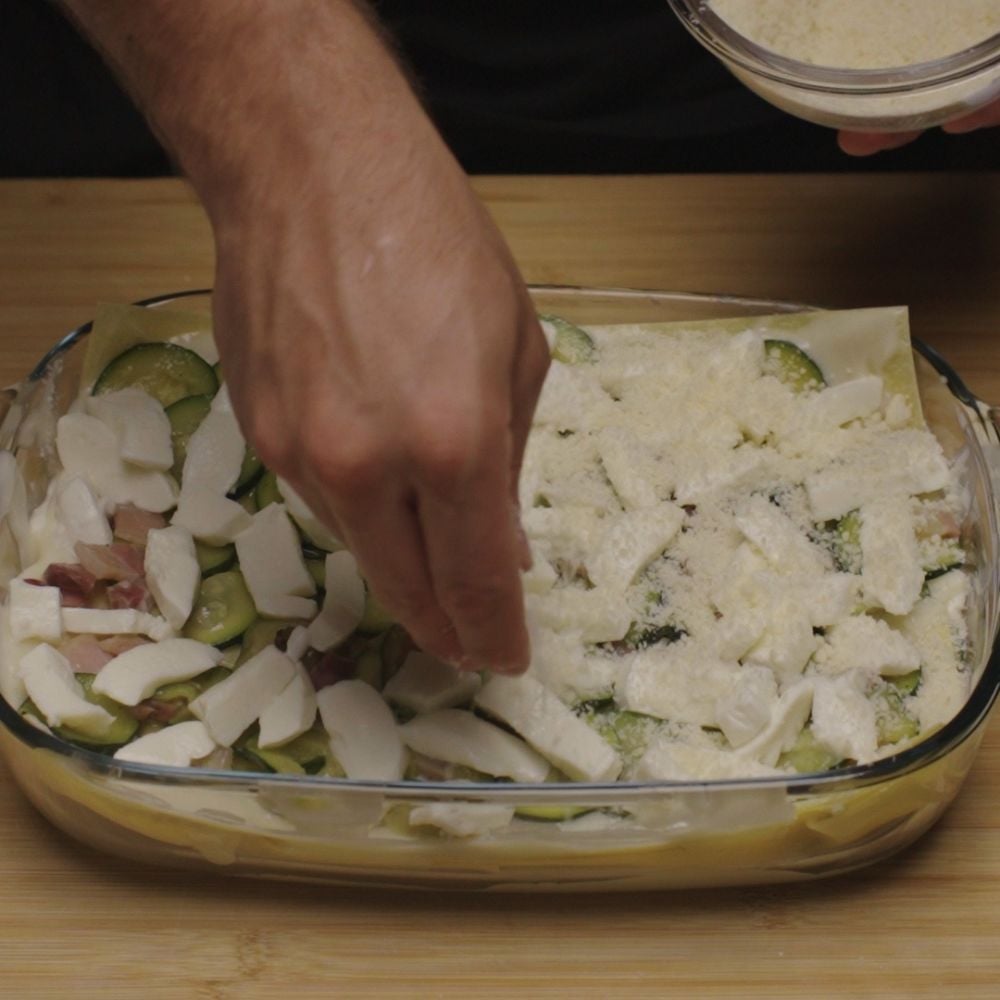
x: 75, y: 924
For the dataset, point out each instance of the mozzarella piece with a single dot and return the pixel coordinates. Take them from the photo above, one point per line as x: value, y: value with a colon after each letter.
x: 904, y: 462
x: 215, y: 450
x: 172, y: 572
x: 298, y: 642
x: 312, y: 527
x: 743, y: 711
x: 550, y: 727
x: 668, y: 760
x: 843, y: 718
x: 777, y: 538
x: 631, y: 542
x: 839, y: 404
x: 623, y: 459
x: 598, y: 615
x: 271, y: 559
x: 118, y: 621
x: 285, y: 606
x: 209, y: 516
x: 88, y: 448
x: 174, y: 746
x: 865, y: 643
x: 344, y: 604
x: 789, y: 717
x: 140, y: 424
x: 138, y: 672
x: 425, y: 684
x: 891, y: 570
x: 461, y: 737
x: 364, y: 737
x: 80, y: 513
x: 681, y: 682
x: 35, y: 612
x: 462, y: 819
x: 50, y: 683
x: 290, y: 714
x: 229, y: 707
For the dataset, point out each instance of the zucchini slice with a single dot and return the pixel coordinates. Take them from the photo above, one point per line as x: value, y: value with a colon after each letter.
x: 121, y: 730
x: 185, y: 418
x: 214, y: 558
x: 791, y: 365
x: 571, y: 345
x: 167, y: 372
x: 223, y: 609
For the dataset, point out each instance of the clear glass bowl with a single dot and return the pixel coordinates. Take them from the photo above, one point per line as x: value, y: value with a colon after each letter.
x: 901, y: 99
x: 569, y: 836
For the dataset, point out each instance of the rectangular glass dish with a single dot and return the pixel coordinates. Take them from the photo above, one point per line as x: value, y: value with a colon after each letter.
x: 581, y: 836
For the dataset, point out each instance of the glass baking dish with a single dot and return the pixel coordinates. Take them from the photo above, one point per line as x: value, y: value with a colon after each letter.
x: 576, y: 836
x: 898, y: 99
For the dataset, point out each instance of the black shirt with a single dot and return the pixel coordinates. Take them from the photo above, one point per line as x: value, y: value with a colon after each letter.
x: 516, y: 86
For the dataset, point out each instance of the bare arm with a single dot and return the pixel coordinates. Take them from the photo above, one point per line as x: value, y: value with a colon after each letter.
x: 376, y: 336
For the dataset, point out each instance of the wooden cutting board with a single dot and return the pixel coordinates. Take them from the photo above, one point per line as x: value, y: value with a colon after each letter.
x: 75, y: 924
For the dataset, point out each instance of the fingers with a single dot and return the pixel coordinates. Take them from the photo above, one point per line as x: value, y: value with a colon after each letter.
x: 985, y: 117
x: 530, y: 367
x: 868, y: 143
x: 474, y: 555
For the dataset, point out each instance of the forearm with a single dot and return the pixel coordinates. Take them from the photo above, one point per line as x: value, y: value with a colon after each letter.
x: 241, y: 90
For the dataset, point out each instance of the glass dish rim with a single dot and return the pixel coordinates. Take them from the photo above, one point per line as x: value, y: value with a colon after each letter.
x: 730, y: 45
x: 943, y: 741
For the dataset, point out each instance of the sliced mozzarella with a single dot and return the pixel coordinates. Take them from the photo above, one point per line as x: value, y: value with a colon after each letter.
x: 209, y: 516
x: 891, y: 572
x: 843, y: 718
x: 364, y: 737
x: 35, y: 612
x: 229, y: 707
x: 631, y: 542
x: 462, y: 819
x: 343, y: 605
x: 285, y: 606
x: 790, y: 715
x: 139, y: 423
x: 52, y: 686
x: 681, y: 682
x: 88, y: 448
x: 118, y: 621
x: 215, y: 450
x: 312, y: 527
x: 270, y: 558
x: 290, y: 714
x: 743, y: 711
x: 460, y: 737
x: 172, y: 572
x: 667, y: 760
x: 80, y: 513
x: 138, y: 672
x: 298, y: 642
x: 839, y: 404
x: 425, y: 684
x: 599, y: 615
x: 550, y: 727
x: 782, y: 543
x: 174, y: 746
x: 865, y: 643
x: 907, y: 462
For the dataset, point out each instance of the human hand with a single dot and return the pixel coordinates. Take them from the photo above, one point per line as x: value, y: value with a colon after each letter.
x: 867, y: 143
x: 383, y: 355
x: 379, y: 345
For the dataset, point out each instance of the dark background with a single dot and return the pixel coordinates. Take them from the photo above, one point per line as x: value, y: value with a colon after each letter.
x: 516, y: 86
